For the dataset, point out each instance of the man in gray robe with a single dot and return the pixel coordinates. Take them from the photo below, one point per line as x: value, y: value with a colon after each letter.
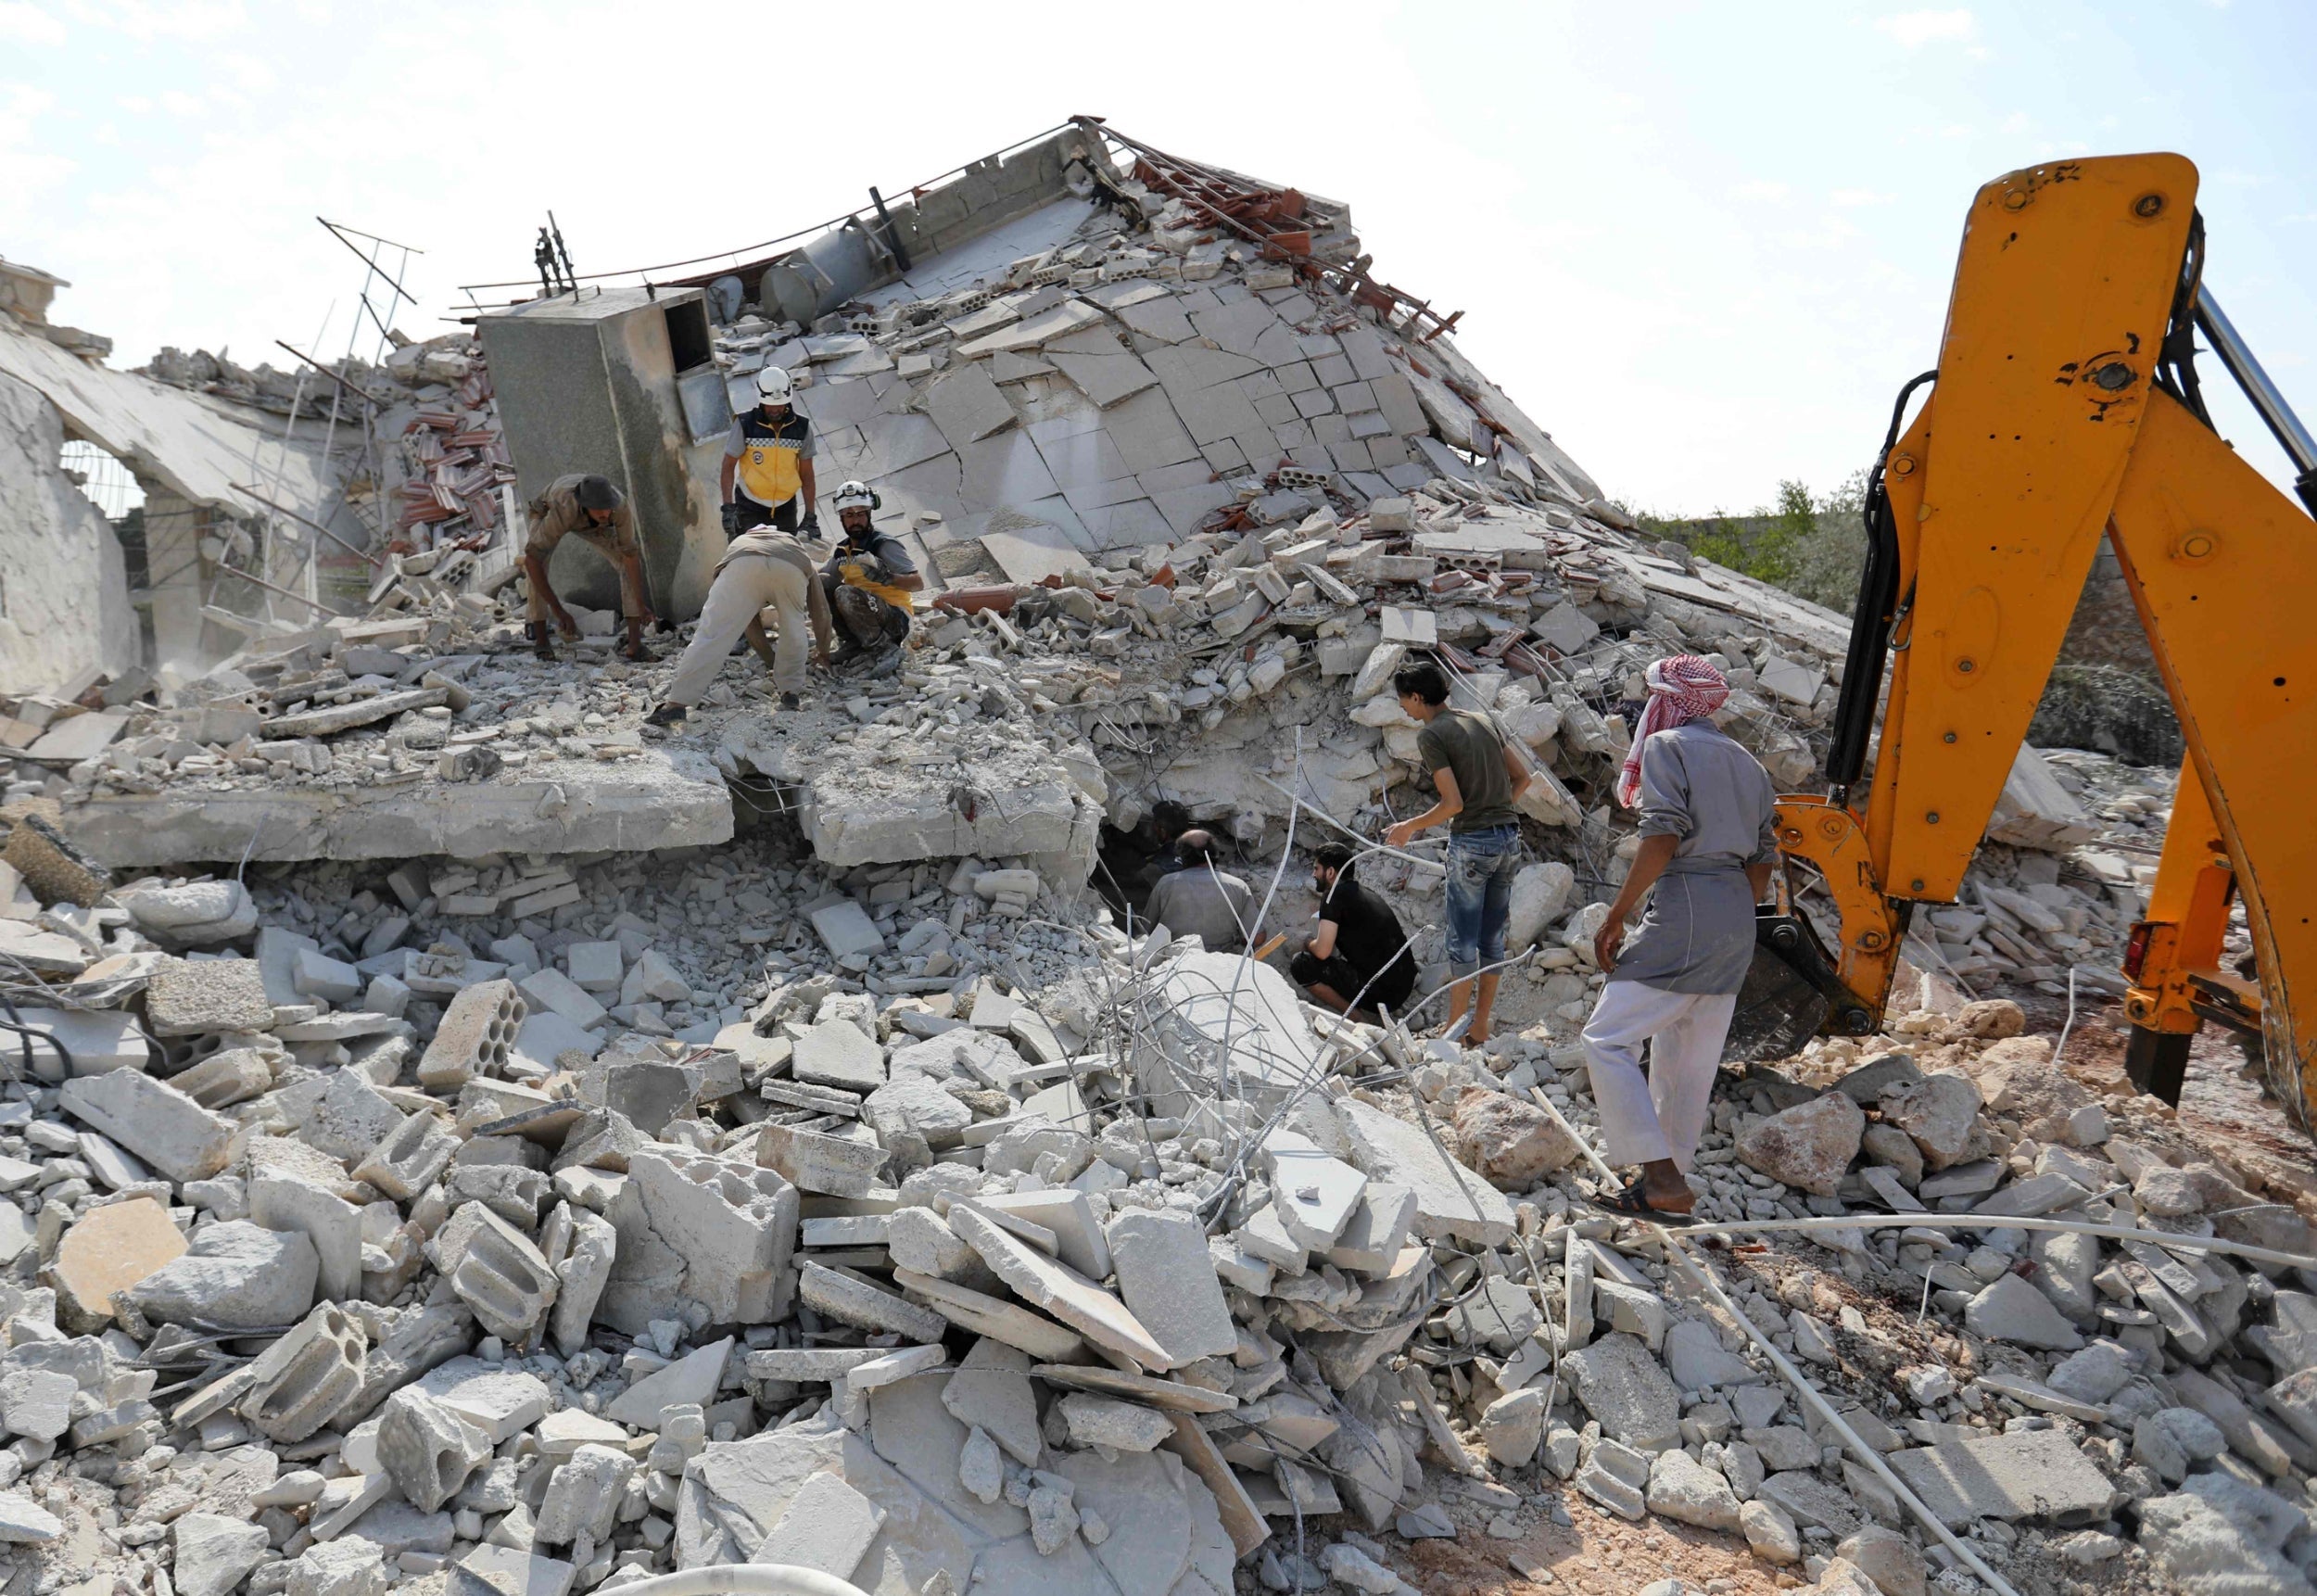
x: 1706, y: 847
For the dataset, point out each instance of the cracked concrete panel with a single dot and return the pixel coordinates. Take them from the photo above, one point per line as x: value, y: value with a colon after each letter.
x: 1238, y: 327
x: 1160, y: 319
x: 967, y: 406
x: 1148, y: 433
x: 892, y: 443
x: 1005, y: 473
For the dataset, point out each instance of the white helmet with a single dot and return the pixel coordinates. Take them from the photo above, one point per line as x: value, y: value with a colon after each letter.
x: 773, y: 386
x: 856, y: 496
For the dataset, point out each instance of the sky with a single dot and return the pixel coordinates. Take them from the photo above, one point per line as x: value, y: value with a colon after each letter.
x: 1702, y: 245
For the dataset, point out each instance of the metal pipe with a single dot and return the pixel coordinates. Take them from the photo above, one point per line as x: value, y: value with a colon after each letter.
x: 1811, y: 1397
x: 2163, y: 1238
x: 2237, y: 356
x: 245, y: 488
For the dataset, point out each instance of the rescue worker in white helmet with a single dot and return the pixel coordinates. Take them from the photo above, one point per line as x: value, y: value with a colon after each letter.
x: 869, y: 579
x: 767, y: 474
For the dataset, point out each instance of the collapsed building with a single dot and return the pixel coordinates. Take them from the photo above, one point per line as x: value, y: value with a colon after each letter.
x: 461, y: 1138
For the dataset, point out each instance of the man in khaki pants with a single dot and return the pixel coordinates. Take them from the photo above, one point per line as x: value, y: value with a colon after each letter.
x: 759, y: 567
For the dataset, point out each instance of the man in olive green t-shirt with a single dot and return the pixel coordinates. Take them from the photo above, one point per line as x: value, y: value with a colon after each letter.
x: 1479, y: 780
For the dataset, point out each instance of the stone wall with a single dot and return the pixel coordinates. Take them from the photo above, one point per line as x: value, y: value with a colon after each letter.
x: 64, y: 593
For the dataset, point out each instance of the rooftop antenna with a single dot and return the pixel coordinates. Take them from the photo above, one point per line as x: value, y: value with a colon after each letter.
x: 553, y: 261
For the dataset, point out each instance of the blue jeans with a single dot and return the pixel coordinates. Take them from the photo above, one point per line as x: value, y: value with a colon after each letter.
x: 1480, y: 868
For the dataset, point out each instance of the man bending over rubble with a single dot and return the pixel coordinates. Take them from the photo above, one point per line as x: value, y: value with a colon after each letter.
x: 1479, y: 780
x: 1706, y: 845
x: 1199, y: 900
x: 590, y: 509
x: 1357, y: 956
x: 759, y: 568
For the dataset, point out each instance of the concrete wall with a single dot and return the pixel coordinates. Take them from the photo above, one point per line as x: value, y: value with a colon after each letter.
x: 64, y: 595
x: 590, y: 387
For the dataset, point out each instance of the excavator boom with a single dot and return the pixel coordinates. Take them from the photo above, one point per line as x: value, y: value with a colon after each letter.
x: 2066, y: 409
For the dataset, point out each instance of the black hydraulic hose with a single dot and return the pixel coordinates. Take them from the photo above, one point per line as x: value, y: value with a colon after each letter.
x: 1871, y: 619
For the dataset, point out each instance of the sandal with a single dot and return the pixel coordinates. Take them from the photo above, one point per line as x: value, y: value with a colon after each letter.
x: 1631, y: 1203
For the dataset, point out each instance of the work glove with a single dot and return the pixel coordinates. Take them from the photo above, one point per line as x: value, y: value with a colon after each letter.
x: 731, y: 520
x: 810, y: 525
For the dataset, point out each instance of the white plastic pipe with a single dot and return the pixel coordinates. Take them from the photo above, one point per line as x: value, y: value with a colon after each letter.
x: 742, y: 1580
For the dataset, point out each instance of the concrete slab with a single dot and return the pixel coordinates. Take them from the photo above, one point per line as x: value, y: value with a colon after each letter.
x: 1064, y: 1292
x: 656, y: 799
x: 2033, y: 1473
x: 1450, y: 1201
x: 1169, y: 1284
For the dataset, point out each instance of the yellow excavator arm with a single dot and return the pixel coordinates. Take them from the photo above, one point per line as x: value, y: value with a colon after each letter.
x: 2066, y: 409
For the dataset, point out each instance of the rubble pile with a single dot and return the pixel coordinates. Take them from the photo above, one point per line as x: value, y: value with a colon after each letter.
x: 537, y: 1222
x: 550, y: 1205
x: 433, y: 403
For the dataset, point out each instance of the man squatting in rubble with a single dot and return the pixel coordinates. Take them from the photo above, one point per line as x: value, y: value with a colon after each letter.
x: 767, y: 473
x: 1358, y: 956
x: 590, y: 509
x: 1479, y: 780
x: 1707, y: 846
x: 761, y: 567
x: 869, y: 579
x: 1202, y: 900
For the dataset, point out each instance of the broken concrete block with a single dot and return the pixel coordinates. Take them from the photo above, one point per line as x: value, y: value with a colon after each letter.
x: 827, y: 1525
x: 37, y: 1402
x: 501, y: 1276
x: 300, y: 1382
x: 1067, y: 1295
x: 692, y: 1379
x: 1169, y: 1284
x: 583, y: 1271
x: 317, y: 975
x: 991, y: 1391
x: 1377, y: 1230
x: 153, y: 1119
x: 215, y: 1554
x: 348, y: 1118
x: 499, y: 1399
x: 835, y: 1053
x: 234, y: 1275
x: 476, y: 1035
x: 835, y: 1166
x: 1078, y: 1236
x: 1625, y: 1388
x: 111, y: 1249
x: 1103, y: 1422
x: 333, y: 1224
x: 349, y: 1566
x: 733, y: 1224
x: 427, y: 1449
x: 491, y: 1570
x: 583, y: 1497
x: 98, y: 1040
x: 2019, y: 1474
x: 855, y: 1301
x: 1400, y: 1154
x: 846, y: 928
x: 1313, y: 1194
x: 410, y: 1158
x: 223, y: 1079
x: 556, y: 993
x: 198, y: 997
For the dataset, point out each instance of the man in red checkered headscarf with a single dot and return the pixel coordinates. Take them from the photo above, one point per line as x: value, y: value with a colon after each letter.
x: 1705, y: 849
x: 1681, y: 688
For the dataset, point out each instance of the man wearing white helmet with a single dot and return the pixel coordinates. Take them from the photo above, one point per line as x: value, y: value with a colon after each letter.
x: 869, y: 578
x: 768, y: 464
